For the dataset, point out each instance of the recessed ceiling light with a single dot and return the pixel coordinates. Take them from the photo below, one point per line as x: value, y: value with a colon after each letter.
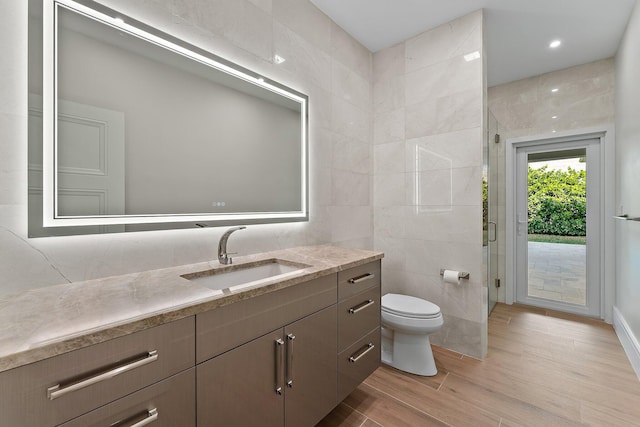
x: 554, y: 44
x: 471, y: 56
x: 553, y: 131
x: 278, y: 59
x: 554, y: 117
x: 554, y: 90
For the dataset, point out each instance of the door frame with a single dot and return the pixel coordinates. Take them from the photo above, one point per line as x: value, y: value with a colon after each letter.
x: 591, y: 147
x: 607, y: 208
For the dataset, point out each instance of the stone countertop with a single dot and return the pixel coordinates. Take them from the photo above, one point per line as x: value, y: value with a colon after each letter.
x: 45, y: 322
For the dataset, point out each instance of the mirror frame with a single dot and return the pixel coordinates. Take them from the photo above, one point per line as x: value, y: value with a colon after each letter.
x: 136, y: 28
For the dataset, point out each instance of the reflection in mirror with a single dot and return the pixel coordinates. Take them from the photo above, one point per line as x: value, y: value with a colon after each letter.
x: 138, y: 127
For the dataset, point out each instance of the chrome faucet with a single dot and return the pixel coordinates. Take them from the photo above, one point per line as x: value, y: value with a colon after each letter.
x: 223, y: 255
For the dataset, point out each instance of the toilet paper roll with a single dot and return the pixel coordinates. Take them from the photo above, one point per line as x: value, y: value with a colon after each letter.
x: 451, y: 276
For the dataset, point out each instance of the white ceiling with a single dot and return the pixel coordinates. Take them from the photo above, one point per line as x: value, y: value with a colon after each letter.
x: 518, y: 32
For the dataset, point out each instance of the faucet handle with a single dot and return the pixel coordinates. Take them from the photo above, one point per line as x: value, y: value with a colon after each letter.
x: 228, y: 258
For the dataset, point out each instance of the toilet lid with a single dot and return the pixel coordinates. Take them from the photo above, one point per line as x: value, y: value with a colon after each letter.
x: 405, y: 305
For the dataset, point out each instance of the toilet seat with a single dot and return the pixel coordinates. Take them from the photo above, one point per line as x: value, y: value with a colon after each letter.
x: 408, y: 306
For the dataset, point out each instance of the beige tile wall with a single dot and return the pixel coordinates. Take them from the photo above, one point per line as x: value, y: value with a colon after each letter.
x: 428, y: 134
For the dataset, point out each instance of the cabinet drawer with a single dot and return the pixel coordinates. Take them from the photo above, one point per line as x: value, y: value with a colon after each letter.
x: 357, y: 279
x: 224, y: 328
x: 93, y: 376
x: 357, y: 316
x: 169, y: 403
x: 357, y: 362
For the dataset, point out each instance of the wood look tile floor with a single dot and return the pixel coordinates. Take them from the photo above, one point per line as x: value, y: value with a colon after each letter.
x: 543, y: 368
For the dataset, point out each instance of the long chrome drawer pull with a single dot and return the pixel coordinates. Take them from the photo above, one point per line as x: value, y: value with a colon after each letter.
x: 289, y: 379
x: 362, y: 278
x: 279, y: 363
x: 55, y: 391
x: 152, y: 415
x: 360, y: 353
x: 361, y: 306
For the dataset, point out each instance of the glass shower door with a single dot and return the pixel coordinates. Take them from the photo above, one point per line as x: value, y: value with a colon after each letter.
x: 490, y: 210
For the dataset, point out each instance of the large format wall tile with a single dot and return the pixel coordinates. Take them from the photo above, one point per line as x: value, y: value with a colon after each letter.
x: 347, y: 50
x: 305, y: 19
x: 350, y: 154
x: 442, y: 79
x: 302, y: 59
x: 428, y: 104
x: 349, y: 120
x: 448, y: 113
x: 453, y: 40
x: 241, y: 22
x: 350, y: 86
x: 389, y: 126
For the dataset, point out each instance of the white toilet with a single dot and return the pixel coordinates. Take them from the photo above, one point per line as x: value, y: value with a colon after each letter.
x: 406, y: 324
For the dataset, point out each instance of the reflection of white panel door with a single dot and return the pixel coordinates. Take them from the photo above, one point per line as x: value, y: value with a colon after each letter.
x: 91, y: 177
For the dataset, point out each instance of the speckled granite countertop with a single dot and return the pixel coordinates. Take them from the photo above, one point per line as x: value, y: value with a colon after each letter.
x: 45, y: 322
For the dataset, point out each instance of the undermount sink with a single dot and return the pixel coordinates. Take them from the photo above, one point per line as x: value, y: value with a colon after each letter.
x: 241, y: 276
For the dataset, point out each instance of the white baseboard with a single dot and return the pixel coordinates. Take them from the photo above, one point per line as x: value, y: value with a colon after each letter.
x: 628, y: 340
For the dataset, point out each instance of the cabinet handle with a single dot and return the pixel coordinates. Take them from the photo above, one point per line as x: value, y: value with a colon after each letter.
x: 55, y: 391
x: 279, y: 362
x: 361, y: 306
x: 152, y: 415
x: 289, y: 379
x: 360, y: 353
x: 366, y: 276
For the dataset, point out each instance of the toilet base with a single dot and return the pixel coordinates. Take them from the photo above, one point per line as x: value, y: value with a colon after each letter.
x: 408, y: 352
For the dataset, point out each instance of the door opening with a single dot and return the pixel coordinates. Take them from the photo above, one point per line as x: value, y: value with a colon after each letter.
x: 558, y: 226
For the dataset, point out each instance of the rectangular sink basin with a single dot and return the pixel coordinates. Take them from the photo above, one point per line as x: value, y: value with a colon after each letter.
x: 235, y: 277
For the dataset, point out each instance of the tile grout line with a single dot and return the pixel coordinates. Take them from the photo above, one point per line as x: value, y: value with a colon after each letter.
x: 366, y: 418
x: 445, y: 379
x: 411, y: 406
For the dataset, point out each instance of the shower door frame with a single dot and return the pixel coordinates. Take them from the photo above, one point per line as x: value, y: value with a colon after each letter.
x: 606, y: 209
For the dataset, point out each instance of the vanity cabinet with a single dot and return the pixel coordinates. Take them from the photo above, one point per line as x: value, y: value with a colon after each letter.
x: 358, y: 325
x: 58, y: 389
x: 286, y: 377
x: 269, y: 360
x: 285, y: 357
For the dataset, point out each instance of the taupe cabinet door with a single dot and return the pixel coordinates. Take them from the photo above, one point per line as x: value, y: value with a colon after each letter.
x: 314, y: 388
x: 287, y: 377
x: 238, y: 388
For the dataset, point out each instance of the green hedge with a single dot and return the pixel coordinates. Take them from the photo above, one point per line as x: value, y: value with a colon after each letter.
x: 557, y: 202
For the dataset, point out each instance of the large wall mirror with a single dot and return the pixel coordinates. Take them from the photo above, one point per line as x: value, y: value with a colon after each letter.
x: 131, y: 128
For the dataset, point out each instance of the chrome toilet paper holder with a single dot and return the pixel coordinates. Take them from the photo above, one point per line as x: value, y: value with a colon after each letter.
x: 461, y: 274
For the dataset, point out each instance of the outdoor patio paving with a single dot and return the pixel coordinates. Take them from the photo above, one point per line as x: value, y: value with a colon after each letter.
x: 557, y: 271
